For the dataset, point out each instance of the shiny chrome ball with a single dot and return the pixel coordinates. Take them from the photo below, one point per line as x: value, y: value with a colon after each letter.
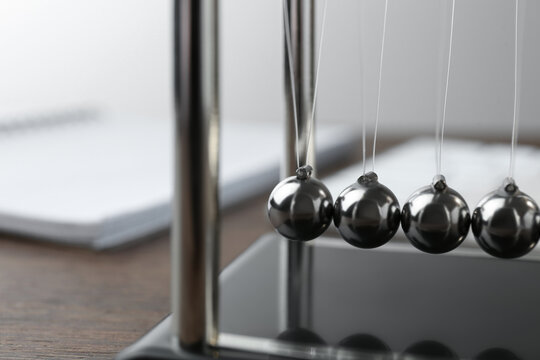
x: 506, y: 222
x: 436, y: 218
x: 300, y: 207
x: 367, y: 213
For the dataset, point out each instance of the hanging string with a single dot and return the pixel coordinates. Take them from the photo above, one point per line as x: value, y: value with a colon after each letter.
x: 288, y: 40
x: 378, y: 90
x: 293, y: 88
x: 516, y: 97
x: 440, y: 125
x: 364, y: 145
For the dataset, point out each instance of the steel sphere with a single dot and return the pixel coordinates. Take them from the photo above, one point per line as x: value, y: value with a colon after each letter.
x: 436, y: 218
x: 300, y: 207
x: 367, y: 213
x: 506, y: 222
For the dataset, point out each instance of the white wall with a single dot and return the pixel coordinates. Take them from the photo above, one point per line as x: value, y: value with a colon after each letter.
x: 116, y: 54
x: 113, y: 54
x: 481, y: 84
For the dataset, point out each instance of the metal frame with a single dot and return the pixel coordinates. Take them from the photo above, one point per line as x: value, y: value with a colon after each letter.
x: 191, y: 331
x: 297, y: 257
x: 195, y: 249
x: 302, y: 24
x: 195, y: 239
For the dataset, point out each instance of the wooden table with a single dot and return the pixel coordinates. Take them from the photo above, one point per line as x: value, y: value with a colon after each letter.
x: 58, y: 302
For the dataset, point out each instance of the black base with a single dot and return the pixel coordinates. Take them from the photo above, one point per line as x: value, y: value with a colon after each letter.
x: 393, y: 300
x: 158, y: 344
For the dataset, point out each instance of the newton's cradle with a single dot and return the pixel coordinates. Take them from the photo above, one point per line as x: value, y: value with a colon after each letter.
x: 296, y: 294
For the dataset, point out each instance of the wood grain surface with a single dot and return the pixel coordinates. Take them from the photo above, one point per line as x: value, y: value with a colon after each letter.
x: 58, y: 302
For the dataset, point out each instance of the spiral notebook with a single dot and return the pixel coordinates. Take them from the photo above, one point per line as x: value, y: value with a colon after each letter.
x: 89, y: 179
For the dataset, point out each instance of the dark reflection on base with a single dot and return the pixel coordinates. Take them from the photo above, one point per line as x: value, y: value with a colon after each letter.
x: 298, y: 336
x: 451, y: 300
x: 364, y: 342
x: 368, y: 345
x: 497, y: 354
x: 301, y: 336
x: 429, y: 350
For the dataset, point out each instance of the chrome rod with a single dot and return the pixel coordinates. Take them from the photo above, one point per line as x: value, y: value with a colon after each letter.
x: 195, y: 228
x: 296, y: 281
x: 301, y: 19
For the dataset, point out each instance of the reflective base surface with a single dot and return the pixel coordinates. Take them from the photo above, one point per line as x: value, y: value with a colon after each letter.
x: 389, y: 303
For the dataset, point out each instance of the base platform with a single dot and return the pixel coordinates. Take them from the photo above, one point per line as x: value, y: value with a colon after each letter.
x: 389, y: 303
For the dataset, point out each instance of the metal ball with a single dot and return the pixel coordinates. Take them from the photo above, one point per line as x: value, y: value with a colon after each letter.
x: 367, y: 213
x: 300, y: 207
x: 436, y: 218
x: 506, y: 222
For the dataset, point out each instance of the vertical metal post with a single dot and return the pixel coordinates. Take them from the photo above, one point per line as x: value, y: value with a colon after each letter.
x: 194, y: 243
x: 296, y: 276
x: 302, y: 22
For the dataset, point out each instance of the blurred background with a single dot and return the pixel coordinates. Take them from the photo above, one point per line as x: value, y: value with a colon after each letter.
x: 116, y: 56
x: 106, y: 67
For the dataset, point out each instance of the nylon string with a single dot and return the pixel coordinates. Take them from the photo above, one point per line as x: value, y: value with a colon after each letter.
x: 379, y: 89
x: 515, y: 123
x: 440, y: 125
x: 288, y: 41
